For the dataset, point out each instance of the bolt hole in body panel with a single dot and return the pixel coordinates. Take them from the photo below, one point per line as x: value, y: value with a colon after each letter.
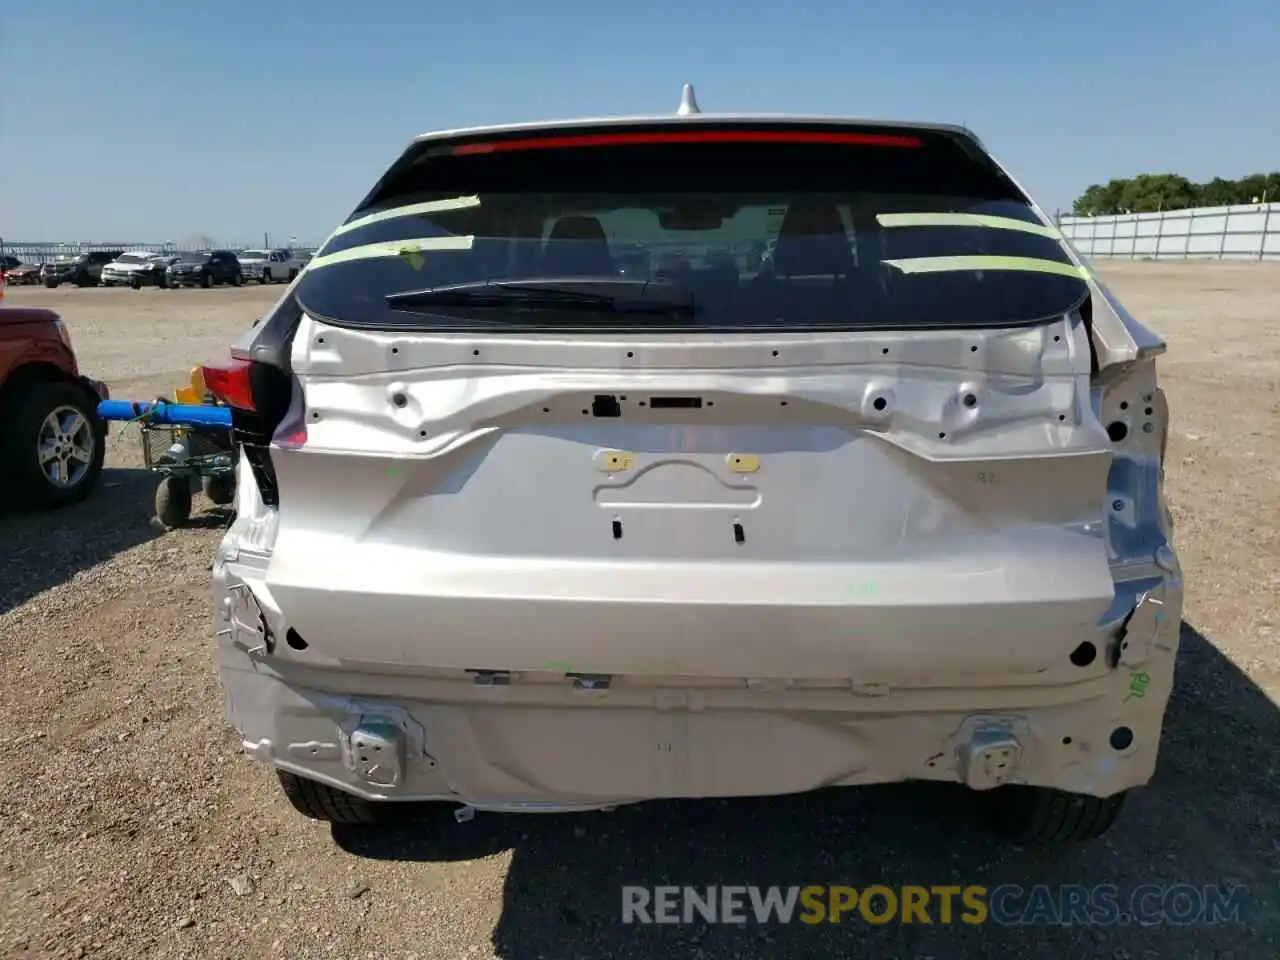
x: 1084, y: 654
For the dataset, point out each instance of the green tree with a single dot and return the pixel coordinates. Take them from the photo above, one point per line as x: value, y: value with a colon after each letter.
x: 1168, y: 191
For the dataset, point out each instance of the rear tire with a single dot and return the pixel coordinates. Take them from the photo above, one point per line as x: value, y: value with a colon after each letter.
x: 51, y: 283
x: 1037, y: 816
x: 173, y: 502
x: 266, y: 275
x: 22, y: 434
x: 319, y: 801
x: 206, y: 281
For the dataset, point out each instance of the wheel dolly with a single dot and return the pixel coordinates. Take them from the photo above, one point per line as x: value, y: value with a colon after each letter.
x: 188, y: 442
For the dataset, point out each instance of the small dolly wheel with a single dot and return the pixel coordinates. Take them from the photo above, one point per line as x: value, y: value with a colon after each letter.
x: 173, y: 501
x: 221, y: 489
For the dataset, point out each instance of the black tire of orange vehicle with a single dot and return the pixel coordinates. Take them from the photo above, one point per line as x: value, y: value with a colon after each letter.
x: 319, y: 801
x: 173, y: 502
x: 20, y: 428
x: 1037, y: 816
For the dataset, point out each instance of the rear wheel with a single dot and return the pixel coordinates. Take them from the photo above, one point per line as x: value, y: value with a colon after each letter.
x: 51, y: 282
x: 206, y: 281
x: 236, y: 280
x: 293, y: 275
x: 319, y: 801
x: 1038, y: 815
x: 266, y: 275
x: 52, y: 444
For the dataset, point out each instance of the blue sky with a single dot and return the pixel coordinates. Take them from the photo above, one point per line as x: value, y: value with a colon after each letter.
x: 150, y: 120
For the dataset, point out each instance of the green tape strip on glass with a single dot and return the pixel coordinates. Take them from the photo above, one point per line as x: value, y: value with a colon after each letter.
x: 408, y: 210
x: 957, y: 264
x: 410, y: 251
x: 965, y: 220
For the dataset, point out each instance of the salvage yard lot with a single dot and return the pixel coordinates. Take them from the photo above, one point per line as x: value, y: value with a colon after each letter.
x: 125, y: 812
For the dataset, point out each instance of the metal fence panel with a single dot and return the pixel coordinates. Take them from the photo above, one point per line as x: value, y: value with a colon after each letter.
x: 1243, y: 232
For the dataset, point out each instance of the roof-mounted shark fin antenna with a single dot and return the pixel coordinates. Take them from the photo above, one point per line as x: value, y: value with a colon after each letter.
x: 688, y: 102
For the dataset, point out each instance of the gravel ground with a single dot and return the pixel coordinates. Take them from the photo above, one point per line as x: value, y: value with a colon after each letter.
x: 129, y: 827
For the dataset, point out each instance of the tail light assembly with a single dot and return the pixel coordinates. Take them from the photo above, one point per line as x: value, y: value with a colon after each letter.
x: 258, y: 395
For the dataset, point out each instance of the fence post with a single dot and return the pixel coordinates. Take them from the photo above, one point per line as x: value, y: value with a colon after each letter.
x: 1262, y: 243
x: 1155, y: 253
x: 1226, y: 229
x: 1191, y: 223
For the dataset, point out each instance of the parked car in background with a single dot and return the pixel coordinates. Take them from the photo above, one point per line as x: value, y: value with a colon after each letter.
x: 51, y: 437
x: 270, y: 266
x: 204, y: 270
x: 17, y: 273
x: 155, y: 272
x: 134, y: 268
x: 84, y: 270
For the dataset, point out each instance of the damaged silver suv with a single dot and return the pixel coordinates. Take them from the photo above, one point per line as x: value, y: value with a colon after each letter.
x: 557, y: 495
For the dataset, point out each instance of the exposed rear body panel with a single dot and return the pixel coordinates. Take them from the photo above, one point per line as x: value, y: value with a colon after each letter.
x: 806, y: 453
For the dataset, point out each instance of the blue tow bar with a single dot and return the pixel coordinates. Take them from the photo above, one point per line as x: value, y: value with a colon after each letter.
x: 174, y: 414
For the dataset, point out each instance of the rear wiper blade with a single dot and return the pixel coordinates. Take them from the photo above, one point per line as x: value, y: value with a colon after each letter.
x: 621, y: 295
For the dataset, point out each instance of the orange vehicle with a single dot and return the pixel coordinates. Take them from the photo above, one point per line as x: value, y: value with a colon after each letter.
x: 51, y: 437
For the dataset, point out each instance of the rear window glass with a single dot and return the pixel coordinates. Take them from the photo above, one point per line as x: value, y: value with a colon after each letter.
x: 761, y: 235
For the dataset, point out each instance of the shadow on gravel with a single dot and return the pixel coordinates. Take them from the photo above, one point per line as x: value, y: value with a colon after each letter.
x: 1210, y: 817
x: 42, y: 550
